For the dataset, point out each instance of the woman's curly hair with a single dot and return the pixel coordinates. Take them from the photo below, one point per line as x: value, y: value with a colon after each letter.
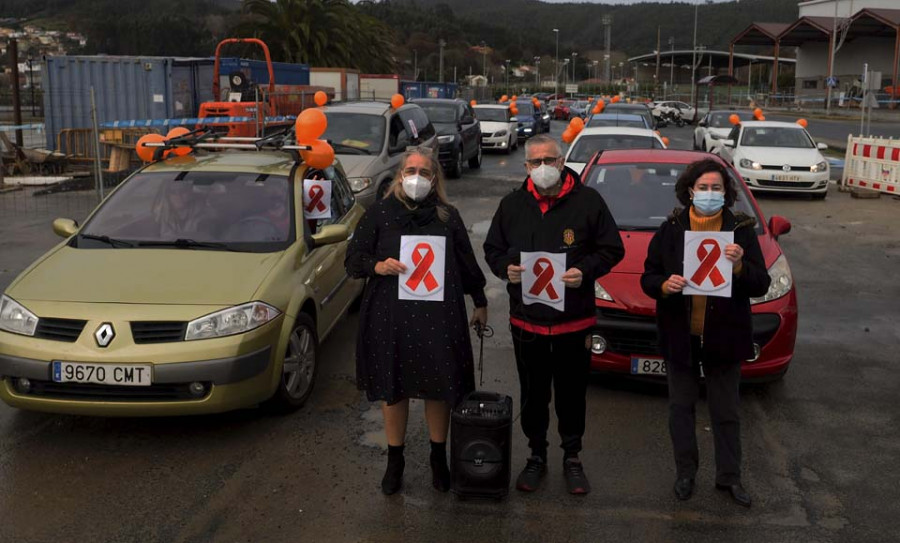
x: 693, y: 172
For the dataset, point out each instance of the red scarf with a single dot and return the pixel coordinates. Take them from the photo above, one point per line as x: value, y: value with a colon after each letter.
x: 546, y: 202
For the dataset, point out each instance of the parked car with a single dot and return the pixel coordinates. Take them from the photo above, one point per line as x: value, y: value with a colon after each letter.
x: 639, y: 188
x: 561, y: 111
x: 579, y: 108
x: 197, y: 286
x: 777, y: 157
x: 686, y: 110
x: 529, y: 120
x: 591, y: 140
x: 499, y: 129
x: 715, y: 127
x: 459, y: 134
x: 626, y: 120
x: 369, y: 139
x: 633, y: 109
x: 545, y: 116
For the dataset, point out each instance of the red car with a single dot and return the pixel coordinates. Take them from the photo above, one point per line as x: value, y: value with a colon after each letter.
x: 639, y: 188
x: 561, y: 111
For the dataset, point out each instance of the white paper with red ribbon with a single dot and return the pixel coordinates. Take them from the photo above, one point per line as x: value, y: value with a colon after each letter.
x: 316, y: 199
x: 542, y: 279
x: 706, y: 269
x: 424, y: 257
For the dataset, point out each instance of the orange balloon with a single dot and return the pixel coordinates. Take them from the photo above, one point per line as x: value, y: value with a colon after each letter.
x: 513, y: 97
x: 473, y: 103
x: 397, y: 100
x: 146, y: 153
x: 802, y: 122
x: 568, y: 136
x: 757, y: 113
x: 321, y: 98
x: 514, y: 110
x: 176, y: 133
x: 320, y: 157
x: 665, y: 141
x: 310, y: 125
x: 734, y: 119
x: 577, y: 123
x: 504, y: 98
x: 616, y: 98
x: 761, y: 118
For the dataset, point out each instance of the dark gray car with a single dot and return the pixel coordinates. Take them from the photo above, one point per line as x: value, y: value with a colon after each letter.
x: 458, y: 133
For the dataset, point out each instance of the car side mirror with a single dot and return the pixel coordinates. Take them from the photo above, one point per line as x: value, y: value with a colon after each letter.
x: 779, y: 226
x: 65, y: 228
x: 513, y: 119
x: 728, y: 143
x: 331, y: 233
x: 821, y: 146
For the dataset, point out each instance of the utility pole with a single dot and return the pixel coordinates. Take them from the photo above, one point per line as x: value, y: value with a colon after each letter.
x: 441, y: 45
x: 671, y: 61
x: 537, y: 74
x: 831, y: 53
x: 484, y: 61
x: 607, y: 23
x: 507, y: 76
x: 694, y: 61
x: 415, y: 65
x: 574, y: 57
x: 556, y: 66
x: 17, y: 104
x: 656, y: 78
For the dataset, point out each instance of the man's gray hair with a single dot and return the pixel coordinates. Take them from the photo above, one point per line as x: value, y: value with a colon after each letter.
x: 542, y: 139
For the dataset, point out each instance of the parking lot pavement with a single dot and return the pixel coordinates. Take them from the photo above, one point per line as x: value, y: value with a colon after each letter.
x: 820, y: 447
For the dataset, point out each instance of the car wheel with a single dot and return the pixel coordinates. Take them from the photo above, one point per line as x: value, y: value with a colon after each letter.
x: 510, y: 145
x: 456, y: 171
x: 475, y: 161
x: 299, y: 369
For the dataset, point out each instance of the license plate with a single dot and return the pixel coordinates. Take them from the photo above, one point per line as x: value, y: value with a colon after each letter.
x: 782, y: 177
x: 648, y: 366
x: 136, y: 375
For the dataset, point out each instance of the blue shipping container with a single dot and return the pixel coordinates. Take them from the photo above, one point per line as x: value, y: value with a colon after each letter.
x: 285, y: 73
x: 125, y: 88
x: 427, y: 89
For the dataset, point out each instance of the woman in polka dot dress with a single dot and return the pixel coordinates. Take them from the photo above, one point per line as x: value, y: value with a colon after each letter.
x: 415, y: 348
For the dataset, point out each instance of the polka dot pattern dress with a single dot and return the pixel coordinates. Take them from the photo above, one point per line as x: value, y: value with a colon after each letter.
x: 410, y: 348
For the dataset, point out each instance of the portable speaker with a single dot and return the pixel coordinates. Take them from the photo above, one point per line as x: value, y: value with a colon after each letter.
x: 480, y: 440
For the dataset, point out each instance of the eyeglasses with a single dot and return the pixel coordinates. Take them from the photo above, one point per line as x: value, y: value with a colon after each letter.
x: 547, y: 160
x: 424, y: 172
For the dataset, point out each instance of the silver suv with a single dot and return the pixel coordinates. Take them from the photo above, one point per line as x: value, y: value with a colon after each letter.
x: 370, y: 137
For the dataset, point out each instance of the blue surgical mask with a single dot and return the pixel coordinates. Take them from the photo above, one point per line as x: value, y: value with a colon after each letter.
x: 709, y: 202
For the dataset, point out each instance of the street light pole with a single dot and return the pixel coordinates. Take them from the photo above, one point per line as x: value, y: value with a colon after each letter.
x: 507, y: 76
x: 31, y: 84
x: 574, y: 58
x: 537, y: 74
x: 441, y: 45
x: 694, y: 58
x: 484, y: 61
x: 556, y: 66
x: 671, y: 61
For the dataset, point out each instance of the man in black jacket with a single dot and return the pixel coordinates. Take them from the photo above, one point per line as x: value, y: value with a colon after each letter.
x: 553, y: 212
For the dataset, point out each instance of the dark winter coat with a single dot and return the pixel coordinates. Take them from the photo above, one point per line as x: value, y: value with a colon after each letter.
x: 728, y: 331
x: 578, y: 224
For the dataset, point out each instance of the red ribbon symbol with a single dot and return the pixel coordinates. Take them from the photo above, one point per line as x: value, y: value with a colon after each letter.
x: 708, y: 264
x: 543, y: 269
x: 423, y: 268
x: 316, y: 193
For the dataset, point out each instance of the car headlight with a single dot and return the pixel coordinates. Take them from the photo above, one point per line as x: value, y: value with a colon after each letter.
x: 782, y: 281
x: 234, y: 320
x: 545, y: 116
x: 445, y: 139
x: 15, y: 318
x: 747, y: 163
x: 820, y: 167
x: 527, y: 130
x: 501, y: 133
x: 600, y: 292
x: 359, y: 184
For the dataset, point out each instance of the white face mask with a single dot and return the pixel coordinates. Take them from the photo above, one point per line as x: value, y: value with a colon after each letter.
x: 545, y: 176
x: 416, y: 187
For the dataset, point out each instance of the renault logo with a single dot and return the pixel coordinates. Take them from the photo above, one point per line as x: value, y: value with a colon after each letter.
x: 786, y: 168
x: 105, y: 334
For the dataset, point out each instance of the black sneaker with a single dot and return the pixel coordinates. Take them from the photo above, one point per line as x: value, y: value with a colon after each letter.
x: 576, y: 480
x: 531, y: 476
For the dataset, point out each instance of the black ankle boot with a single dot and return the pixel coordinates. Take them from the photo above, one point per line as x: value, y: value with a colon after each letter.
x: 440, y: 474
x: 393, y: 475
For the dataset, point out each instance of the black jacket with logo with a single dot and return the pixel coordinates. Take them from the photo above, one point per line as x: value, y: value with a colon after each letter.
x: 578, y: 224
x: 728, y: 329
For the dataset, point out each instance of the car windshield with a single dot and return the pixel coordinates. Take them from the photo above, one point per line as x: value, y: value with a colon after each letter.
x: 614, y: 120
x: 492, y: 114
x: 769, y: 136
x: 641, y: 196
x: 586, y: 146
x: 247, y: 212
x: 722, y: 119
x: 355, y: 131
x: 440, y: 113
x: 526, y: 109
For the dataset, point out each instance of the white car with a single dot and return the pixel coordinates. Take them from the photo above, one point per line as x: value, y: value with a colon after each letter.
x: 591, y: 140
x: 715, y: 127
x: 777, y: 157
x: 687, y: 110
x: 499, y: 129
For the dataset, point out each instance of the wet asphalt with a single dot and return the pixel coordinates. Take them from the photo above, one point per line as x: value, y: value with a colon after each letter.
x: 820, y: 447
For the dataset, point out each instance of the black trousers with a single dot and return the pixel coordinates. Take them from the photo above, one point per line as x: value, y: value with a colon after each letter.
x: 722, y: 394
x: 562, y: 361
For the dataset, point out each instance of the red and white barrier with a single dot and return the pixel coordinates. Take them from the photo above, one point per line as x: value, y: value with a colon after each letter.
x: 872, y: 163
